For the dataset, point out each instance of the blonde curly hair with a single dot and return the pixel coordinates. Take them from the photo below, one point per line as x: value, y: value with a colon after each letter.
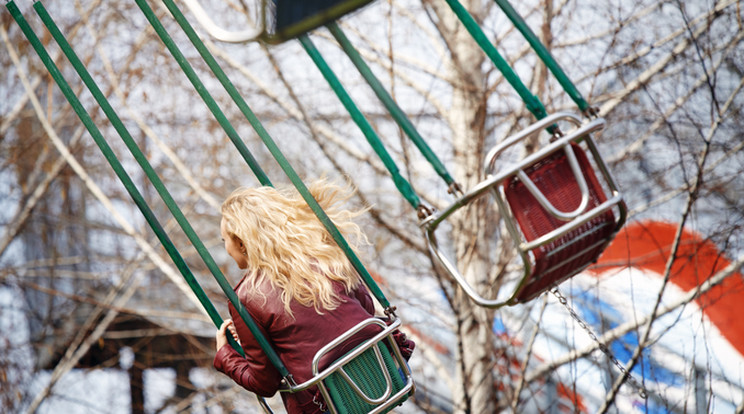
x: 287, y: 245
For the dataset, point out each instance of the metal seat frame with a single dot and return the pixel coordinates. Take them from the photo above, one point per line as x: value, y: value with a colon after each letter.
x: 494, y: 183
x: 388, y: 399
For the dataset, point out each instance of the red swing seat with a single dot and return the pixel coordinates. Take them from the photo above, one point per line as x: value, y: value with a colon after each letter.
x: 565, y: 256
x: 558, y: 213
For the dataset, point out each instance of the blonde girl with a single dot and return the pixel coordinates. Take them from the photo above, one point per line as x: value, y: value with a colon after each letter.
x: 298, y: 285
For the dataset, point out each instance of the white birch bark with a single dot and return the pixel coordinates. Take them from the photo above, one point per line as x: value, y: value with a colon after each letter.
x: 475, y: 388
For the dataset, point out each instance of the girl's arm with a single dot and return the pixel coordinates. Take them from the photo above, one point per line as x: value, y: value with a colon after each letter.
x: 255, y: 372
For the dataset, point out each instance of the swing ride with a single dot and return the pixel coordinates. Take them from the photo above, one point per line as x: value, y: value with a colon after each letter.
x: 369, y: 376
x: 558, y: 212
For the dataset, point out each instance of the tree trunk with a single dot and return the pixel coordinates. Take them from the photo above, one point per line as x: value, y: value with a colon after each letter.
x: 474, y: 370
x: 136, y: 389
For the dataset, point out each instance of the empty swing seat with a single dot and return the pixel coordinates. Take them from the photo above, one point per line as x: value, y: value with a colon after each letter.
x: 573, y: 250
x: 560, y: 215
x: 371, y: 378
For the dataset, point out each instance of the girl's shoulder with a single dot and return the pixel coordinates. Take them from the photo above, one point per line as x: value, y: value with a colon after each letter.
x: 247, y: 282
x: 251, y: 288
x: 261, y: 300
x: 244, y: 286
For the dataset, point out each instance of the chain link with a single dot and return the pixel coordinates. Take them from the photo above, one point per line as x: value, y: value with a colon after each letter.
x: 602, y: 347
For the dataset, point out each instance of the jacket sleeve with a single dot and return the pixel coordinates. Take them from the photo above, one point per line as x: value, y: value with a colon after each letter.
x: 231, y: 363
x: 255, y: 372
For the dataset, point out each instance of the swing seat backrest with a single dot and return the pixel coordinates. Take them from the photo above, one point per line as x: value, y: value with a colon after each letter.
x: 371, y: 378
x: 367, y: 381
x: 573, y: 250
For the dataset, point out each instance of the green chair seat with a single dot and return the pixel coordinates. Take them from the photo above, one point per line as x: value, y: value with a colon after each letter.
x: 365, y: 371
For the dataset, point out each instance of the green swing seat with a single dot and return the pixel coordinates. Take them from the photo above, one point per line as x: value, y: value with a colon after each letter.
x: 367, y: 382
x: 371, y: 378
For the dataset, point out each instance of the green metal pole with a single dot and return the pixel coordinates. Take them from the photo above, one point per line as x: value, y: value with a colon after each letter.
x: 403, y: 185
x: 544, y: 54
x: 202, y: 90
x: 387, y: 100
x: 158, y: 184
x: 117, y: 167
x: 532, y: 103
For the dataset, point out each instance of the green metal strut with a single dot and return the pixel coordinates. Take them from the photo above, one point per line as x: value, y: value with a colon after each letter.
x: 544, y: 55
x: 404, y: 187
x: 531, y: 101
x: 395, y: 111
x: 118, y: 168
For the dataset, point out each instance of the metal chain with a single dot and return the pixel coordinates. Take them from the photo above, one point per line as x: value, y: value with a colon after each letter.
x: 602, y: 347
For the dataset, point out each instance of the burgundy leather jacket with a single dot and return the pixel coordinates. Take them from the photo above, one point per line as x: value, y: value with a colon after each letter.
x: 296, y: 340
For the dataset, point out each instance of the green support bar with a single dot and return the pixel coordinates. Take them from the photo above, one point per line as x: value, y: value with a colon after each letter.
x: 544, y: 54
x: 387, y: 100
x: 202, y: 91
x: 532, y: 103
x: 269, y: 142
x: 158, y: 184
x: 117, y: 167
x: 400, y: 182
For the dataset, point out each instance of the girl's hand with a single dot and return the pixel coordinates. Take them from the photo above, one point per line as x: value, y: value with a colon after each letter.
x: 221, y: 335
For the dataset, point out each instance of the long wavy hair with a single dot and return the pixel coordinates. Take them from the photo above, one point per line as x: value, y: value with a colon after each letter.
x: 287, y: 245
